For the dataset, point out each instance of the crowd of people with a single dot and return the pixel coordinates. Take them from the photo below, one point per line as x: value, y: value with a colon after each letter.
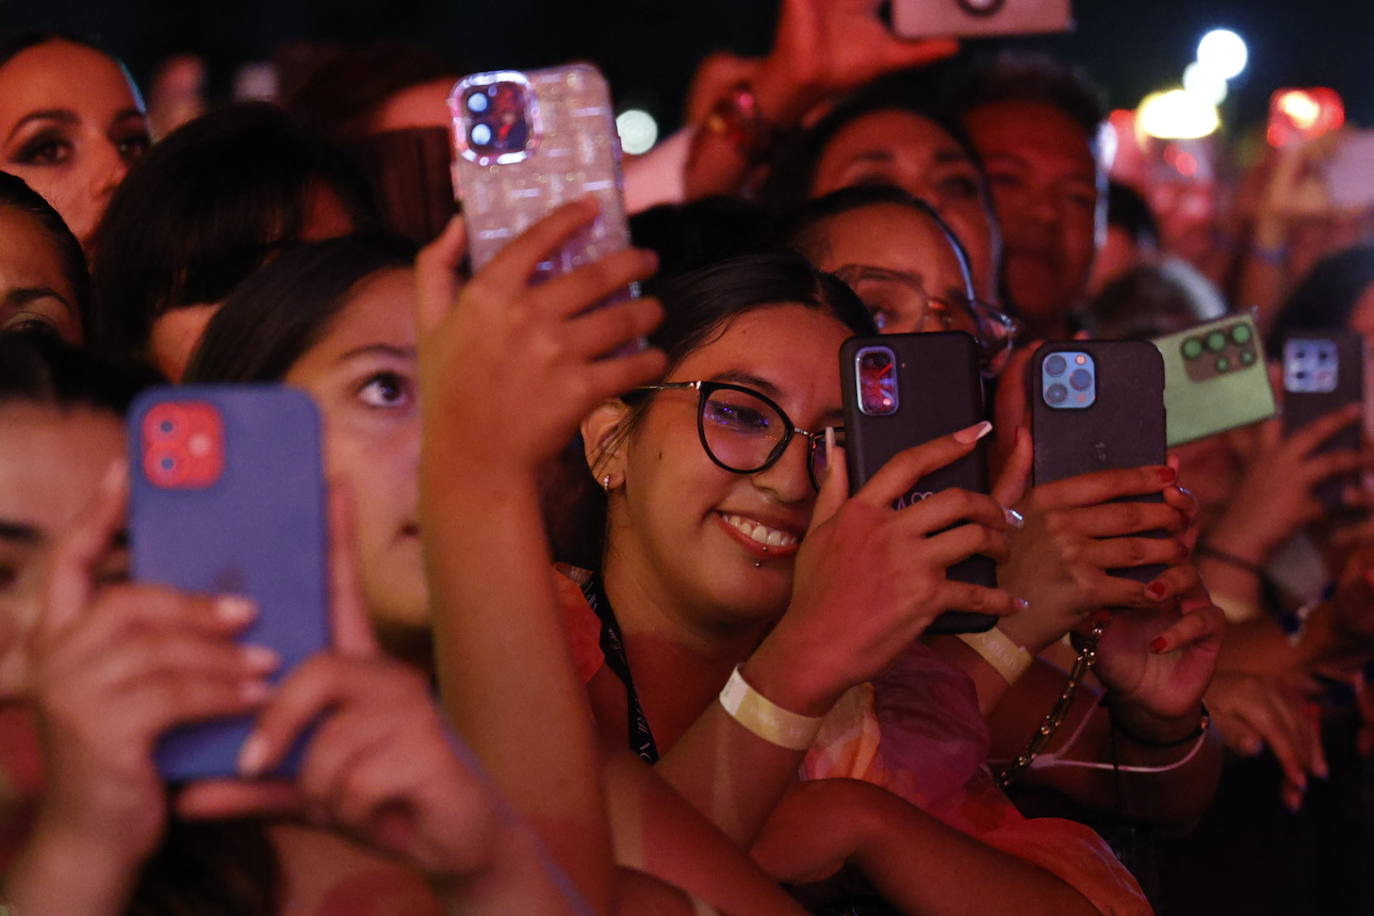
x: 580, y: 660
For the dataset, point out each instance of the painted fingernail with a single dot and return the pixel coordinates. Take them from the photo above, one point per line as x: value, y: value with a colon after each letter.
x: 235, y: 608
x: 1166, y: 474
x: 972, y: 434
x: 1159, y: 644
x: 1191, y: 496
x: 1020, y: 604
x: 260, y: 658
x: 1156, y: 591
x: 1014, y: 519
x: 253, y: 755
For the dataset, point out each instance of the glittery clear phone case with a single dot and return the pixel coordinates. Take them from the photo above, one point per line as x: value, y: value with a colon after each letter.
x: 526, y: 143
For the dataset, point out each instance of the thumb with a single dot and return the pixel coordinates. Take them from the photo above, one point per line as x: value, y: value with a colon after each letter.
x: 1010, y: 487
x: 436, y: 274
x: 835, y: 487
x: 71, y: 577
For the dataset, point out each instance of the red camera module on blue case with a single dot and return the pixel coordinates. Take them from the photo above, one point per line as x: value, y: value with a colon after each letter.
x: 183, y: 445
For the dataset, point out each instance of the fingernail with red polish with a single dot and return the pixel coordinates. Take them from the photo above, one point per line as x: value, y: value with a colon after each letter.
x: 1014, y: 518
x: 1167, y: 474
x: 1159, y: 644
x: 1156, y: 591
x: 1020, y: 603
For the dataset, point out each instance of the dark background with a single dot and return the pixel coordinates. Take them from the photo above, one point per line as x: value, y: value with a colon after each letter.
x: 649, y: 47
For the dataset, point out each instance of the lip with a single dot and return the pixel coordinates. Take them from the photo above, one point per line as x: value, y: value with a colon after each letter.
x: 753, y: 547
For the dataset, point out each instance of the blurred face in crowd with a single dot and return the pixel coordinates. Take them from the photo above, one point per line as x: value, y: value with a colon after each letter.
x: 702, y: 540
x: 71, y: 123
x: 1045, y: 183
x: 362, y: 375
x: 35, y: 293
x: 894, y: 258
x: 51, y: 462
x: 422, y: 105
x: 175, y: 333
x: 913, y: 153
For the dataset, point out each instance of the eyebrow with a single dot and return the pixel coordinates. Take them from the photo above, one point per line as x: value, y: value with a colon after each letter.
x: 18, y: 298
x: 763, y: 386
x: 19, y: 533
x: 879, y: 273
x: 64, y: 115
x: 378, y: 350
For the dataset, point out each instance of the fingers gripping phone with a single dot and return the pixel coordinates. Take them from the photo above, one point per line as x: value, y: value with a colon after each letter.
x: 902, y: 390
x: 1323, y: 373
x: 527, y: 143
x: 228, y: 497
x: 1098, y: 405
x: 973, y: 18
x: 1215, y: 379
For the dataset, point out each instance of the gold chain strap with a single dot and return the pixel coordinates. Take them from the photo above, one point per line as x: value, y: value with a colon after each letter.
x: 1087, y: 656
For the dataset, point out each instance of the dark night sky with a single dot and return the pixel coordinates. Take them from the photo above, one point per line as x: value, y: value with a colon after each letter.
x: 648, y: 47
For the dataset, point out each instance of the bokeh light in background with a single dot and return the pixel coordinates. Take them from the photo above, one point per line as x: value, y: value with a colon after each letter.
x: 1177, y: 114
x: 638, y: 131
x: 1224, y: 53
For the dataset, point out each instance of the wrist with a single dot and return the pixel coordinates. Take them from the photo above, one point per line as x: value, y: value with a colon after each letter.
x: 1146, y: 728
x: 60, y: 871
x: 797, y: 687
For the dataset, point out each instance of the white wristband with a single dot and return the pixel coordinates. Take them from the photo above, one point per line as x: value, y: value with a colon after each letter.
x: 1006, y: 657
x: 765, y: 718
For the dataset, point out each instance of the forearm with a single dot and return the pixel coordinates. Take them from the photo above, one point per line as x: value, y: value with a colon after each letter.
x: 520, y: 879
x: 63, y: 877
x: 503, y: 665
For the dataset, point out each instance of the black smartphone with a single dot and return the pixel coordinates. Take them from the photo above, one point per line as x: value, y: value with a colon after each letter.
x: 901, y: 390
x: 1323, y: 373
x: 1098, y: 405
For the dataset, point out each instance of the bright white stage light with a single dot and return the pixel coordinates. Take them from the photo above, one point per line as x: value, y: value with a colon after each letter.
x: 638, y: 131
x: 1224, y: 53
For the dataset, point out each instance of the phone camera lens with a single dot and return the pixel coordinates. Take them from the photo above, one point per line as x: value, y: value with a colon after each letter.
x: 1056, y: 365
x: 481, y: 134
x: 1081, y: 380
x: 166, y: 427
x: 477, y: 102
x: 1056, y: 394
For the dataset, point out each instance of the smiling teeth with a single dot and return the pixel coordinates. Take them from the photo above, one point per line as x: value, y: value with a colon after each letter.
x: 769, y: 537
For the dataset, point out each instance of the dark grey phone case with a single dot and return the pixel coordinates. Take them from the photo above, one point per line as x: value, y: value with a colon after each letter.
x: 940, y: 392
x: 1123, y: 428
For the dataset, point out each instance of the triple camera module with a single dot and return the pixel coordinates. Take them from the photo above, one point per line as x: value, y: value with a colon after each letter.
x: 1068, y: 380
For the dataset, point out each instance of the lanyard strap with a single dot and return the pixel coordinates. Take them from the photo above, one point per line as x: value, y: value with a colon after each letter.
x: 613, y: 648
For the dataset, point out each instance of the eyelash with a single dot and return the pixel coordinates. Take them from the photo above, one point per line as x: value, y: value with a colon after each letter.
x: 45, y: 149
x: 394, y: 380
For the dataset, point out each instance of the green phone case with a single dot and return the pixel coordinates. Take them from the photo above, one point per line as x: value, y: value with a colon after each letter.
x: 1214, y: 379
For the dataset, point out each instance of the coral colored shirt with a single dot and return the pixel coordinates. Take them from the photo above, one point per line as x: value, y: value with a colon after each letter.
x: 916, y: 731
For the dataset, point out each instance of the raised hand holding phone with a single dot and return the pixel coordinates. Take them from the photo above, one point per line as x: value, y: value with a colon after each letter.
x: 112, y: 669
x: 501, y: 347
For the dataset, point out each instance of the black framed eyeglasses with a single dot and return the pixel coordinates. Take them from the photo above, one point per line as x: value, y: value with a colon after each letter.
x: 746, y: 432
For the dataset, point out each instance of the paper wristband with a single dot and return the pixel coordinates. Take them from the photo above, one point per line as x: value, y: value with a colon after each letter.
x: 765, y: 718
x: 997, y: 649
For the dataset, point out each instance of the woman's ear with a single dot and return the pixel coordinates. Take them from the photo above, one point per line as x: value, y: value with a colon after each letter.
x: 603, y: 442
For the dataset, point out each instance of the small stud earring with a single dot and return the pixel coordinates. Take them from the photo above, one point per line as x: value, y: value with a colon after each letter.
x: 606, y: 483
x: 757, y: 564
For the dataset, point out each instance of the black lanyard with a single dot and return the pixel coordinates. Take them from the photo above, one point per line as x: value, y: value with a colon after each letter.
x: 613, y: 648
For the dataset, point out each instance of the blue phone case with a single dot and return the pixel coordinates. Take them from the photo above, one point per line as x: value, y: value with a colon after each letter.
x: 252, y: 523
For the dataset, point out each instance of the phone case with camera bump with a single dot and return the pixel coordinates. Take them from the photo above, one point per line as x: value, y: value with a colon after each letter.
x: 1122, y: 427
x: 973, y: 18
x: 1215, y: 379
x: 939, y: 390
x: 228, y: 497
x: 1324, y: 372
x: 571, y: 150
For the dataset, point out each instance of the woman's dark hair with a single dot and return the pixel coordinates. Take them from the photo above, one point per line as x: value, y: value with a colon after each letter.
x: 17, y: 195
x: 1128, y: 209
x: 1153, y: 300
x: 277, y: 314
x: 803, y: 232
x: 1325, y: 300
x: 43, y: 369
x: 698, y: 308
x: 701, y: 232
x: 917, y: 92
x: 204, y: 208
